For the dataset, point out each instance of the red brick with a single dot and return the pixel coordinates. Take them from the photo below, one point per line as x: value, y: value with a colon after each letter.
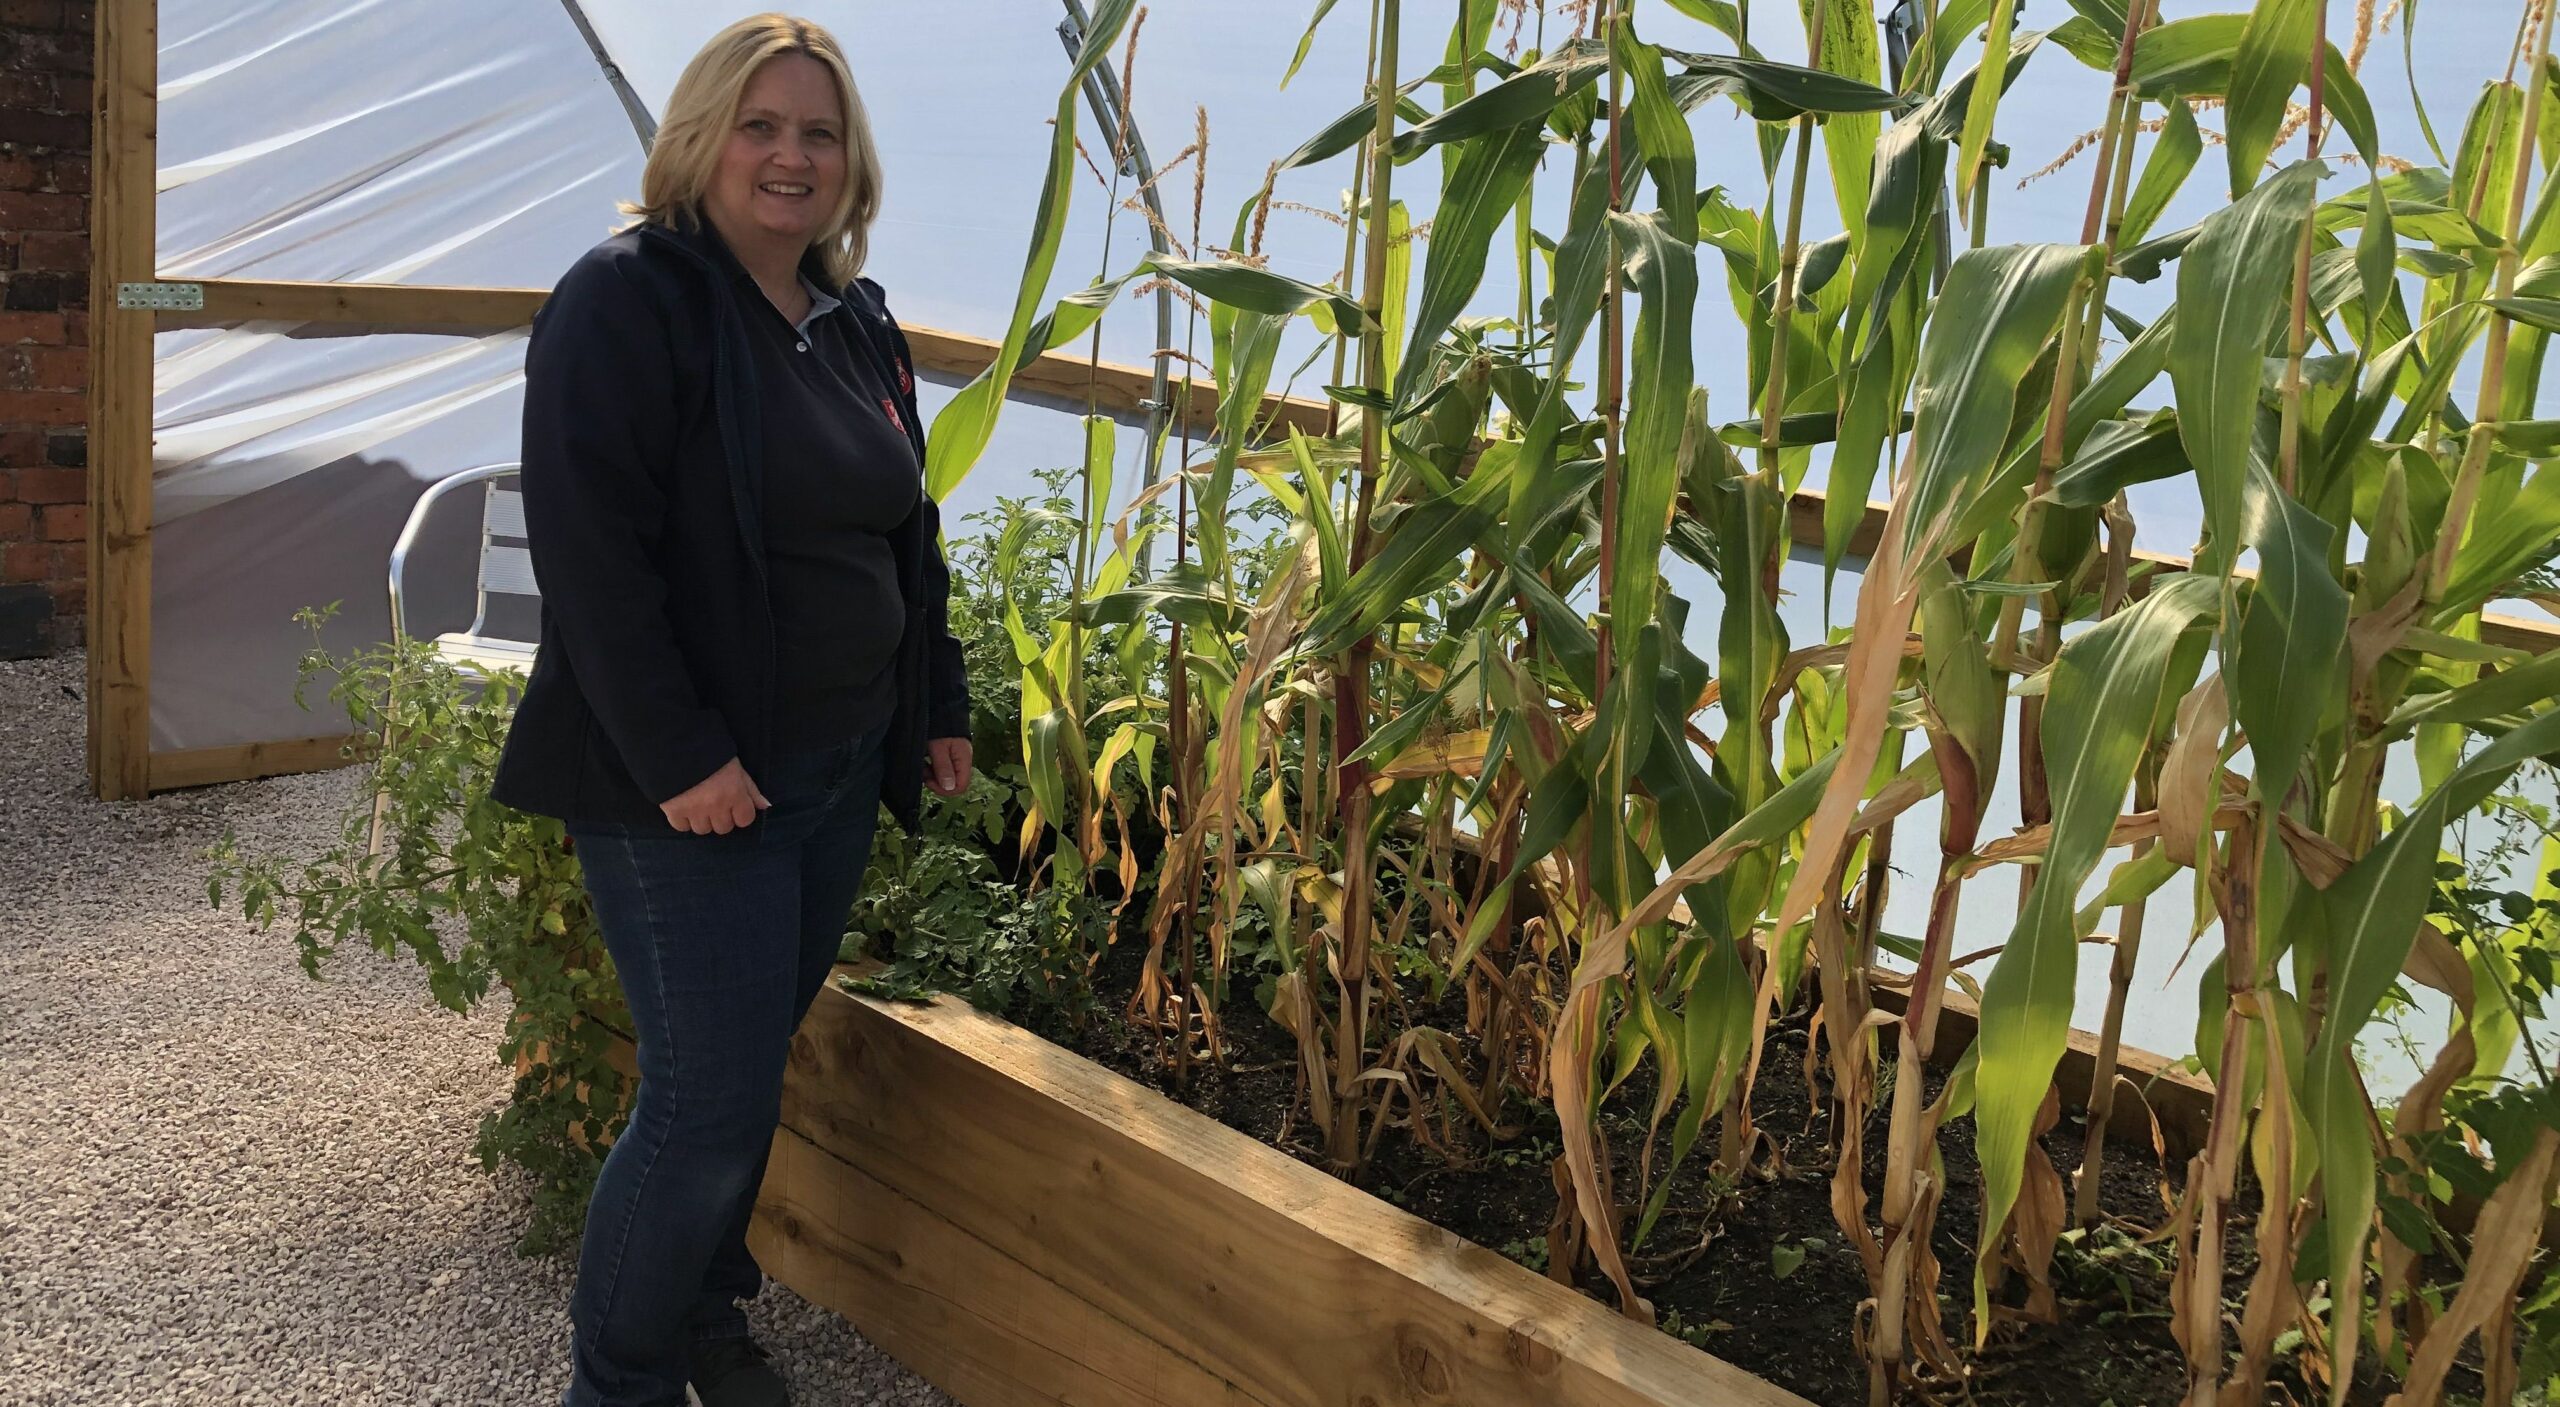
x: 31, y: 14
x: 75, y: 325
x: 70, y: 175
x: 17, y: 522
x: 44, y: 292
x: 66, y: 522
x: 36, y: 210
x: 35, y: 91
x: 24, y: 173
x: 57, y: 368
x: 26, y: 561
x: 20, y: 449
x: 63, y: 253
x: 71, y: 593
x: 51, y: 485
x: 43, y: 408
x: 63, y: 131
x: 42, y: 329
x: 60, y: 53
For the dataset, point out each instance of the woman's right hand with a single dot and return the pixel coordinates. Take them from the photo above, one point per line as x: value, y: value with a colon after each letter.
x: 725, y: 801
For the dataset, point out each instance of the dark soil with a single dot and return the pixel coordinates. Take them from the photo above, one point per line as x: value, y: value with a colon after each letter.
x: 1757, y: 1273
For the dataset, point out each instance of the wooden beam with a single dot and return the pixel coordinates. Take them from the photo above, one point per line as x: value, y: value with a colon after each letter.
x: 209, y: 766
x: 384, y: 305
x: 973, y: 1321
x: 1070, y: 383
x: 1263, y: 1271
x: 124, y: 156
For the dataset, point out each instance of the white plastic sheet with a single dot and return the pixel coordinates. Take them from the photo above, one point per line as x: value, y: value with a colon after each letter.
x: 463, y: 142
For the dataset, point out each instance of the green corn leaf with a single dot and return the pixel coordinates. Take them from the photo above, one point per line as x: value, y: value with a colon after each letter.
x: 1985, y: 104
x: 1307, y: 40
x: 2117, y: 455
x: 2377, y: 271
x: 2484, y: 166
x: 2292, y: 643
x: 1999, y: 309
x: 1252, y: 290
x: 1485, y: 184
x: 1663, y: 406
x: 1525, y: 97
x: 1850, y: 48
x: 1774, y: 92
x: 1343, y: 133
x: 1716, y: 14
x: 2273, y: 57
x: 1910, y: 182
x: 2542, y: 314
x: 1422, y: 547
x: 2110, y: 687
x: 2503, y: 545
x: 1670, y: 151
x: 968, y: 420
x: 2365, y: 923
x: 1331, y: 558
x: 1407, y: 727
x: 2509, y: 692
x: 1101, y: 437
x: 2172, y: 158
x: 2231, y: 285
x: 1581, y: 273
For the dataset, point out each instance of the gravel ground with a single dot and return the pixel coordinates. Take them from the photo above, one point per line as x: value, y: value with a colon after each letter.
x: 222, y: 1182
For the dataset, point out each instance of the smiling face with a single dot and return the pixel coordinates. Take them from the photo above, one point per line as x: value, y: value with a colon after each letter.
x: 782, y: 168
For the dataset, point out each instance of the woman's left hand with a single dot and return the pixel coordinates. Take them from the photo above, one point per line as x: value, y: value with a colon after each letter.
x: 949, y: 772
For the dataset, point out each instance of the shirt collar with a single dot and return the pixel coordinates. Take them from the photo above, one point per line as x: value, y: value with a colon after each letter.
x: 821, y: 303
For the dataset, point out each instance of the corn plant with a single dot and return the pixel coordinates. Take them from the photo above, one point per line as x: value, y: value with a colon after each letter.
x: 1449, y: 727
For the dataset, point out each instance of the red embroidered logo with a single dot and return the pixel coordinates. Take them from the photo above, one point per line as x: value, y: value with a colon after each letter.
x: 906, y: 379
x: 894, y: 418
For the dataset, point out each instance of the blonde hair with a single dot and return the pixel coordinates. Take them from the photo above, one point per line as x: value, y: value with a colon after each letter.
x: 687, y: 149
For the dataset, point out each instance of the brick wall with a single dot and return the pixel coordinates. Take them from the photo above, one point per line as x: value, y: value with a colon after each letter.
x: 46, y: 48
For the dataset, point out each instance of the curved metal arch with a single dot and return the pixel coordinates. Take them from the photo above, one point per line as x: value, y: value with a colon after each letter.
x: 1116, y: 124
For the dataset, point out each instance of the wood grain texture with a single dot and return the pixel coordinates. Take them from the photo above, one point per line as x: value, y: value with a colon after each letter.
x: 124, y: 151
x: 975, y: 1322
x: 392, y: 306
x: 1264, y: 1271
x: 209, y: 766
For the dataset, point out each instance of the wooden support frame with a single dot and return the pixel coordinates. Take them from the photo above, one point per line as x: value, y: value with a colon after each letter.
x: 124, y: 177
x: 124, y: 150
x: 994, y: 1254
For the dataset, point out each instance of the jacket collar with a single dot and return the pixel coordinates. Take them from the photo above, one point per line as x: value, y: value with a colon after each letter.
x: 702, y: 242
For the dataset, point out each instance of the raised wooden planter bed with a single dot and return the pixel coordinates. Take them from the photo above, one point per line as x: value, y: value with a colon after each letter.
x: 1022, y: 1226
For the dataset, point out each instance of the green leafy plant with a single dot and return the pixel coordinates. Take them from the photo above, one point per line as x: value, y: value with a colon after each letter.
x: 478, y: 895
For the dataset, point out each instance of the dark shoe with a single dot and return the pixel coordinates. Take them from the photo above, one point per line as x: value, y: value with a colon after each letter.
x: 734, y: 1372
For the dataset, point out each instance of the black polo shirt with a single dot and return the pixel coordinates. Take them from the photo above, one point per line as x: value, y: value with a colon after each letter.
x: 839, y: 475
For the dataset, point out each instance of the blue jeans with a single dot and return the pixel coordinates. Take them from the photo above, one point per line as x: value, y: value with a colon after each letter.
x: 721, y: 942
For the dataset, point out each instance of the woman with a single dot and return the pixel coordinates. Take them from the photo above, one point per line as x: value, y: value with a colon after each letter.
x: 743, y: 657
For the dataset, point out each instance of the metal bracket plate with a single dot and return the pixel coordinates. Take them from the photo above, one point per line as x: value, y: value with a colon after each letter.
x: 161, y: 297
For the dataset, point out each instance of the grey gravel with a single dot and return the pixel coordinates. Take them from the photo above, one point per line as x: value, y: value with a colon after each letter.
x: 223, y: 1182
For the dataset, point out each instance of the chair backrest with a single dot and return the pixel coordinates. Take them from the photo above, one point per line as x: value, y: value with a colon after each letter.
x: 506, y: 564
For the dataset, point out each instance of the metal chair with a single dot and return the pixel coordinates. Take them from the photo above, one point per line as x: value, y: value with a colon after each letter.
x: 506, y: 569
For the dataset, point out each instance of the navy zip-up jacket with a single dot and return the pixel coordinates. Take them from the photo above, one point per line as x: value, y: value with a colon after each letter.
x: 642, y: 481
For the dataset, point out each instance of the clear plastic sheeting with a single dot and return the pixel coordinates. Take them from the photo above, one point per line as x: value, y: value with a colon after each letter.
x: 471, y: 142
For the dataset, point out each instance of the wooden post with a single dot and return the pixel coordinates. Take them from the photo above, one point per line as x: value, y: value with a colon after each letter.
x: 124, y: 155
